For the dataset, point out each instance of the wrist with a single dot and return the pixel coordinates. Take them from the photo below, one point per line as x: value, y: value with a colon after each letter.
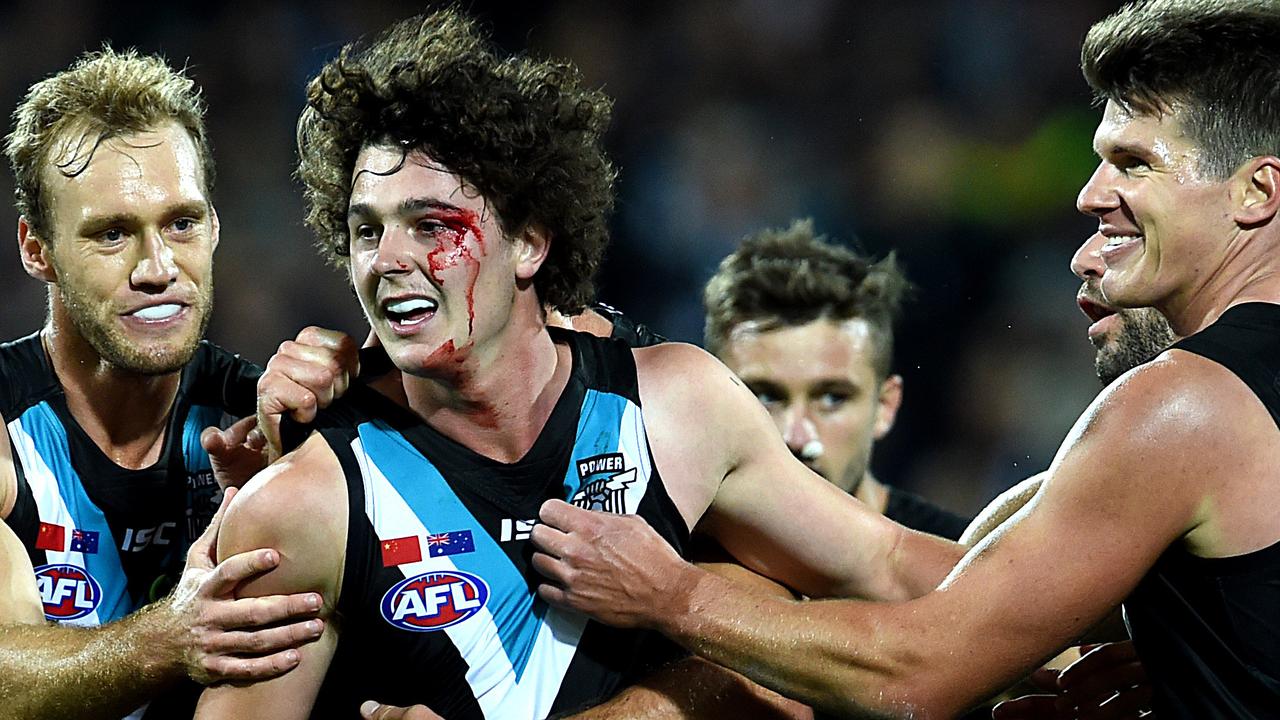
x: 157, y: 634
x: 691, y: 591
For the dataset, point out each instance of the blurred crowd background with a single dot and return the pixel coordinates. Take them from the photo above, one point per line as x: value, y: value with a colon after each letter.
x: 954, y: 131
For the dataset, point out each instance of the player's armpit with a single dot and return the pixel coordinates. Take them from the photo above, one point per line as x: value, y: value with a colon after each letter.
x: 297, y: 506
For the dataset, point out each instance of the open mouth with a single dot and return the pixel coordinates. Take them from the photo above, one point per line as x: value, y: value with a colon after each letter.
x: 1117, y: 245
x: 409, y: 312
x: 1093, y: 310
x: 157, y: 313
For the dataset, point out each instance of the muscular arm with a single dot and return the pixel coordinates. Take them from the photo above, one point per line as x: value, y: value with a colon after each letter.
x: 695, y: 688
x: 1001, y: 509
x: 298, y: 505
x: 728, y: 470
x: 117, y: 667
x: 39, y: 661
x: 1132, y: 478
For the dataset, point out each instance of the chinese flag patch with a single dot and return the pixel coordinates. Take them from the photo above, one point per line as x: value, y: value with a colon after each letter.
x: 399, y: 551
x: 51, y: 537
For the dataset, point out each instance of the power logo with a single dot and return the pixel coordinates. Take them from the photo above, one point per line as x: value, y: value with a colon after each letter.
x: 68, y: 592
x: 434, y: 600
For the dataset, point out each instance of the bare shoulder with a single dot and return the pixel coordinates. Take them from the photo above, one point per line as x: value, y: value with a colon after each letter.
x: 298, y: 506
x: 682, y: 373
x: 1180, y: 397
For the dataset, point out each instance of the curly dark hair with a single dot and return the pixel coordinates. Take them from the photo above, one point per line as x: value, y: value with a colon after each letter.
x: 792, y: 276
x: 521, y: 131
x: 1215, y: 63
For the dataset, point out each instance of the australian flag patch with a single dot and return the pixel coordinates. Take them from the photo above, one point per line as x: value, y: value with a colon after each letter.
x: 450, y: 543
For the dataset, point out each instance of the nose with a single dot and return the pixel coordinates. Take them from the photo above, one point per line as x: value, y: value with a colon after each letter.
x: 1087, y: 261
x: 395, y: 249
x: 1098, y: 195
x: 155, y: 267
x: 798, y: 429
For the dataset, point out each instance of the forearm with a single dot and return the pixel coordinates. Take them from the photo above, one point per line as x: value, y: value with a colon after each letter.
x: 113, y: 669
x: 920, y: 562
x: 692, y: 689
x: 833, y: 655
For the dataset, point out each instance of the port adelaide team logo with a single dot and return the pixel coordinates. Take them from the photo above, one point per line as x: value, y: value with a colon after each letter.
x: 434, y: 600
x: 605, y: 480
x: 67, y: 591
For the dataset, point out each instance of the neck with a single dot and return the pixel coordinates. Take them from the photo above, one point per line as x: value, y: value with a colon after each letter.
x: 1247, y: 274
x: 872, y: 493
x: 123, y: 412
x: 500, y: 398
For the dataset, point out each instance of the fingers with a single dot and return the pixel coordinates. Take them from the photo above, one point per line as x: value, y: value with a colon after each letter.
x: 268, y: 610
x: 236, y: 569
x: 1106, y: 670
x: 1045, y: 679
x: 550, y: 540
x: 224, y: 668
x: 1124, y: 706
x: 264, y: 642
x: 203, y: 552
x: 561, y: 515
x: 371, y: 710
x: 1030, y: 707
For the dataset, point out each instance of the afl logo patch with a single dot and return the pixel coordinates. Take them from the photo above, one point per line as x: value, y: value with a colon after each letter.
x: 68, y: 592
x: 434, y: 600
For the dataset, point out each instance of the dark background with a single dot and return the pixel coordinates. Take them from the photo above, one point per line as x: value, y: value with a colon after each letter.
x: 956, y: 131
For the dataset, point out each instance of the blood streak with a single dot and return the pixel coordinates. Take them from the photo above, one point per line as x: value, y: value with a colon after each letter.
x: 452, y: 249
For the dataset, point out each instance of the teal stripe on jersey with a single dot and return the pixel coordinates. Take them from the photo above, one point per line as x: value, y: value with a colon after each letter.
x: 50, y: 439
x: 199, y: 417
x: 598, y: 433
x: 514, y: 608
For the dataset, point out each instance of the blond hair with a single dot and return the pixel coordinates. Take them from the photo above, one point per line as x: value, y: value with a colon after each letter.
x: 102, y: 95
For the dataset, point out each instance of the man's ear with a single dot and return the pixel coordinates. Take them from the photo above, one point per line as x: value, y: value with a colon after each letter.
x: 533, y: 242
x: 1260, y: 196
x: 887, y: 405
x: 217, y: 226
x: 35, y: 253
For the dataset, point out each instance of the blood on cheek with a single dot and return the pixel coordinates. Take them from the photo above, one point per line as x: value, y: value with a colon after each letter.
x: 452, y: 249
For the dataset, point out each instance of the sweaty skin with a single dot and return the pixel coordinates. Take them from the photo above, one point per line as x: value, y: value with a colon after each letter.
x: 748, y: 491
x: 1177, y: 451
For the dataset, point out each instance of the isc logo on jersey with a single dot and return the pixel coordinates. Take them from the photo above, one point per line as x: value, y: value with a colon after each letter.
x: 434, y: 600
x: 68, y: 592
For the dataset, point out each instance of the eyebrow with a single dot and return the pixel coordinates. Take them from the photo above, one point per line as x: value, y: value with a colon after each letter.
x: 93, y: 222
x: 1121, y: 148
x: 407, y: 206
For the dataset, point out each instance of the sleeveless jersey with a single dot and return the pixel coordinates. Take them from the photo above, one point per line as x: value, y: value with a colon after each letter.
x: 1208, y: 629
x: 105, y: 540
x: 438, y: 602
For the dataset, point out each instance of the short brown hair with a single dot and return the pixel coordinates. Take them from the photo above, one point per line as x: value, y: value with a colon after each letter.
x: 788, y: 277
x: 1215, y: 63
x: 102, y: 95
x: 521, y: 131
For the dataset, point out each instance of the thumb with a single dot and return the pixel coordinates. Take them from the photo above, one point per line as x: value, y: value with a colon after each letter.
x: 269, y: 427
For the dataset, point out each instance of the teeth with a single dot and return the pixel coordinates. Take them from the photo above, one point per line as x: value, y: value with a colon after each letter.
x: 1119, y: 240
x: 158, y: 312
x: 412, y: 305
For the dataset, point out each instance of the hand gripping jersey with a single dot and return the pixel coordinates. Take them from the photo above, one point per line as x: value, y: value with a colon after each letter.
x: 105, y: 540
x: 437, y: 604
x: 1208, y: 629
